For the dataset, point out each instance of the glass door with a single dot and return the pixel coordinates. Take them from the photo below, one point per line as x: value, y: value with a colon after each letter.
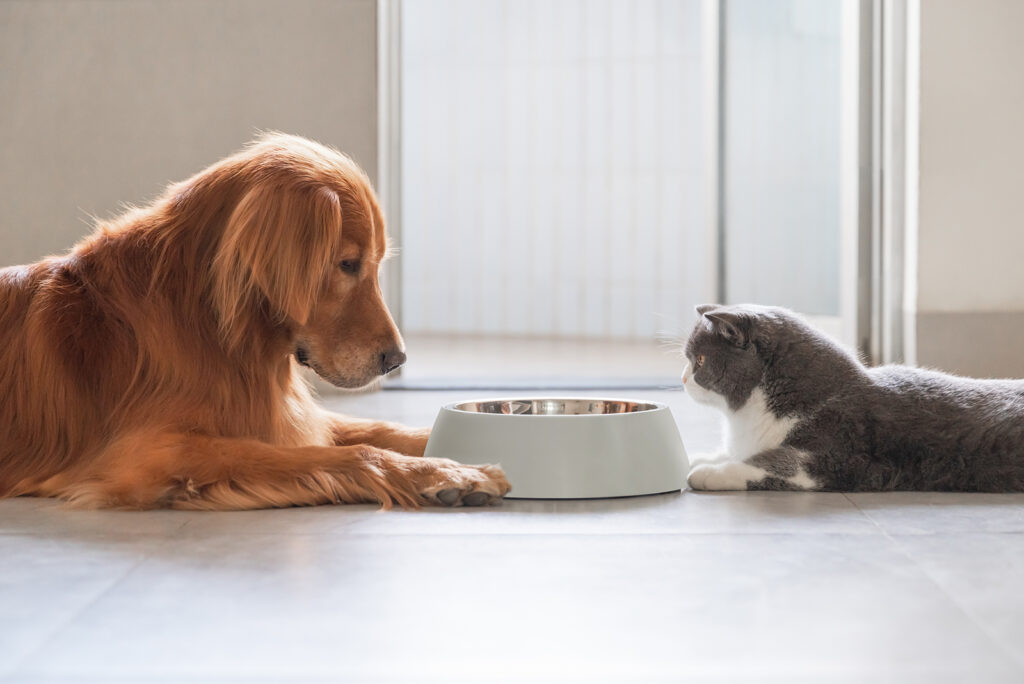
x: 577, y: 175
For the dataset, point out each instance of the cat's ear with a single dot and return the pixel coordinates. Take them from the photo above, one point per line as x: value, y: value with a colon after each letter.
x: 704, y: 308
x: 735, y: 327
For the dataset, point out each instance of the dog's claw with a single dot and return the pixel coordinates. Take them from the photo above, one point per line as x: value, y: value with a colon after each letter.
x: 476, y: 499
x: 449, y: 497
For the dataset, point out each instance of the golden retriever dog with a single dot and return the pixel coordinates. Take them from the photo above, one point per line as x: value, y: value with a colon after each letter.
x: 156, y: 364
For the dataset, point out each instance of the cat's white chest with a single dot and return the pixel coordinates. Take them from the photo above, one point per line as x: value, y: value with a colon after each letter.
x: 754, y: 428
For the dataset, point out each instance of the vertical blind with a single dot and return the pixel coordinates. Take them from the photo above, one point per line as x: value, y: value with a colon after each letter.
x: 552, y: 170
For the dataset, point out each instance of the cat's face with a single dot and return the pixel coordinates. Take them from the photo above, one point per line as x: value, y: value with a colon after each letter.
x: 723, y: 365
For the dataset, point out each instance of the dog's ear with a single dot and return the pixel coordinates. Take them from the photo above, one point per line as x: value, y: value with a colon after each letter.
x: 277, y: 248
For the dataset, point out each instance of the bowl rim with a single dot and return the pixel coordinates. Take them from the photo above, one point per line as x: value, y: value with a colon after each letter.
x: 452, y: 407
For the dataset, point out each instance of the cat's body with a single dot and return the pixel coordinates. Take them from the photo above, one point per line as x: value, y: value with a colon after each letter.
x: 802, y: 413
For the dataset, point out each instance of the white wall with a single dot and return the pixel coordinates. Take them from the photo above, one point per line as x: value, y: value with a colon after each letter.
x: 971, y: 156
x: 970, y: 283
x: 105, y: 101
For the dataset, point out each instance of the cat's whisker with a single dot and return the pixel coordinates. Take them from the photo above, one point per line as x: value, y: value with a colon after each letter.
x: 670, y: 342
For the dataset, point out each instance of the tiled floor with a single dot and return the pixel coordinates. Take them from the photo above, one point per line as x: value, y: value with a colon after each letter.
x: 740, y: 587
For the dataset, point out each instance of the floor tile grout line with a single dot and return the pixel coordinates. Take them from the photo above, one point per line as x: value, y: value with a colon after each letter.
x: 177, y: 534
x: 868, y: 516
x: 899, y: 546
x: 56, y: 631
x: 966, y: 611
x: 583, y: 533
x: 575, y: 533
x: 59, y: 629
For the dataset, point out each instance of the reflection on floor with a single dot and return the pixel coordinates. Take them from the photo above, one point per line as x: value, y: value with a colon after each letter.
x: 731, y: 587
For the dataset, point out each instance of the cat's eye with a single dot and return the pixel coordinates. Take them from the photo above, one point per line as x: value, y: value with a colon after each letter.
x: 349, y: 266
x: 699, y: 361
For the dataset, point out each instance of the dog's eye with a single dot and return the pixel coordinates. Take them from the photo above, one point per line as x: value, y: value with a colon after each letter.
x: 700, y: 360
x: 350, y: 266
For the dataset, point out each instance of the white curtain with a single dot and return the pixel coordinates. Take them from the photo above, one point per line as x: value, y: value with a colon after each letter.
x: 552, y: 167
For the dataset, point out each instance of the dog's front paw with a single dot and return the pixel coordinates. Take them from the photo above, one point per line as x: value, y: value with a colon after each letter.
x: 722, y: 476
x: 456, y: 484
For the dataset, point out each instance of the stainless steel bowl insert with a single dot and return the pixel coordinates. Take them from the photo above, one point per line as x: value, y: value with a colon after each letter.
x: 554, y: 407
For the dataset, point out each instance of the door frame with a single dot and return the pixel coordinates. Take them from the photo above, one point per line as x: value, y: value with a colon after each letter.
x: 389, y: 142
x: 879, y: 177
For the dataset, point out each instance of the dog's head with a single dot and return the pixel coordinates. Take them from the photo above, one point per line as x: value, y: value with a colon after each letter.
x: 303, y: 245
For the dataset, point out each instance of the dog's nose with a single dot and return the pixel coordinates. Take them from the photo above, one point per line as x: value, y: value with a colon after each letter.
x: 391, y: 359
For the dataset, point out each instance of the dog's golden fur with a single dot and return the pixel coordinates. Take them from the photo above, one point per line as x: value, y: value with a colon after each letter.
x: 155, y: 364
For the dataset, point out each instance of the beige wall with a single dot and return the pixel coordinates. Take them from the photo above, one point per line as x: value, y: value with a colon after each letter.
x: 105, y: 101
x: 970, y: 287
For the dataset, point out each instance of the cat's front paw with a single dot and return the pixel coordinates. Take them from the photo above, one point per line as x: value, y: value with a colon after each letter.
x: 721, y: 476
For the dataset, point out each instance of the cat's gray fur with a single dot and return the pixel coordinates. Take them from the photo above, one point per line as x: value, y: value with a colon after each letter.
x: 848, y: 427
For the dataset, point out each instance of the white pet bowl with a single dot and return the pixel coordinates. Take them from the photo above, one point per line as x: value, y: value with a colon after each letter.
x: 553, y: 448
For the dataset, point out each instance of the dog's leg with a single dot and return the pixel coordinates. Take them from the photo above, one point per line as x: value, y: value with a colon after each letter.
x: 197, y: 472
x: 381, y: 434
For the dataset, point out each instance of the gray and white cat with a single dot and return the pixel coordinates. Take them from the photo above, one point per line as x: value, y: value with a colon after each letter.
x: 803, y: 413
